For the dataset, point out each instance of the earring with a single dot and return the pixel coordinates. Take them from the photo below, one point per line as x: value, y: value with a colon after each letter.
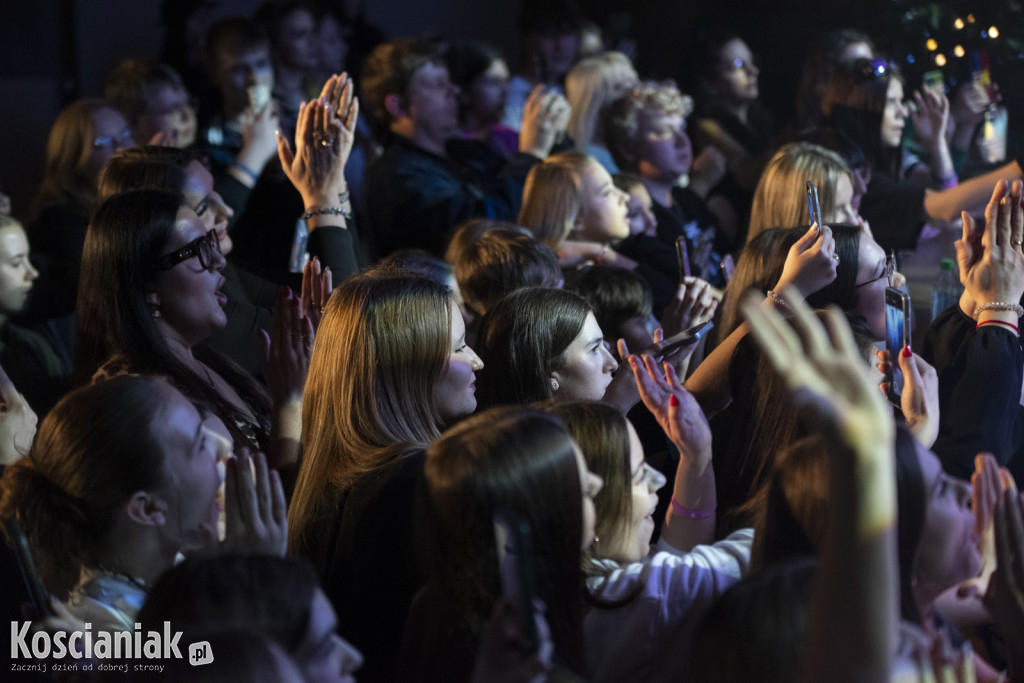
x: 554, y: 385
x: 155, y: 313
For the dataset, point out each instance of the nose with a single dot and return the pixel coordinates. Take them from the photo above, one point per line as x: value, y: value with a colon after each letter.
x: 218, y: 261
x: 351, y: 658
x: 609, y: 361
x: 623, y: 197
x: 475, y: 361
x: 31, y: 273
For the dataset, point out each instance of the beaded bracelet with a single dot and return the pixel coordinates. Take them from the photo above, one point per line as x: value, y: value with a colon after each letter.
x: 999, y: 322
x: 680, y: 509
x: 779, y: 300
x: 999, y: 306
x: 599, y: 259
x: 328, y: 211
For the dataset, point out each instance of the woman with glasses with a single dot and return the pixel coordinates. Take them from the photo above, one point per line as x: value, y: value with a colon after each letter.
x: 863, y: 100
x: 85, y: 135
x: 645, y: 607
x: 151, y: 294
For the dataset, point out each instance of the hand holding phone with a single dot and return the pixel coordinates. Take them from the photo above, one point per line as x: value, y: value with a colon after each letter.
x: 682, y: 258
x: 813, y: 207
x: 897, y: 336
x: 514, y: 546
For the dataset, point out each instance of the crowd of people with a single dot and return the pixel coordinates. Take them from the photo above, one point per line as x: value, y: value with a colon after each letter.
x: 373, y: 360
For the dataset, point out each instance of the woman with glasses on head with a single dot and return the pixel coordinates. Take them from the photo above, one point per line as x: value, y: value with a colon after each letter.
x: 863, y: 100
x: 645, y: 607
x: 151, y: 294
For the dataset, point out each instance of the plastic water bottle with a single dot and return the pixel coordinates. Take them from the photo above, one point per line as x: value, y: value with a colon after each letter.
x: 947, y: 289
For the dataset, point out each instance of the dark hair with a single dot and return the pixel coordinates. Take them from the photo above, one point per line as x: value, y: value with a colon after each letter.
x: 616, y: 295
x: 821, y: 60
x: 270, y: 594
x: 509, y: 458
x: 501, y: 261
x: 768, y: 612
x: 522, y: 340
x: 68, y: 149
x: 132, y: 83
x: 241, y: 655
x: 468, y: 232
x: 389, y: 70
x: 234, y: 36
x: 796, y: 508
x: 468, y: 60
x: 93, y: 450
x: 125, y: 241
x: 602, y: 433
x: 853, y: 102
x: 272, y: 13
x: 550, y: 17
x: 418, y: 261
x: 144, y: 168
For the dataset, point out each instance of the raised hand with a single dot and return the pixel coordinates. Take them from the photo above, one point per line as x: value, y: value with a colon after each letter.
x: 996, y: 274
x: 920, y: 398
x: 316, y: 290
x: 339, y: 94
x: 677, y: 412
x: 1005, y: 595
x: 287, y: 349
x: 258, y: 140
x: 930, y: 117
x: 545, y: 117
x: 825, y: 372
x: 811, y: 262
x: 693, y: 304
x: 17, y: 422
x: 255, y: 510
x: 316, y: 167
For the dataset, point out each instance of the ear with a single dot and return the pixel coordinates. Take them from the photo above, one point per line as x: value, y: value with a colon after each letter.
x: 153, y: 299
x: 147, y: 509
x: 553, y: 381
x: 395, y: 107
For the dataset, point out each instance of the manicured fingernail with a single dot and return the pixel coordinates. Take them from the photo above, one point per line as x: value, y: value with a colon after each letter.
x: 673, y: 401
x: 288, y: 292
x: 632, y: 361
x: 907, y: 353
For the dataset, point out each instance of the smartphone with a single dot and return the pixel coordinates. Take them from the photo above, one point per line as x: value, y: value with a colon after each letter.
x: 37, y: 593
x: 514, y: 546
x: 682, y: 257
x: 813, y: 207
x: 897, y: 336
x: 684, y: 338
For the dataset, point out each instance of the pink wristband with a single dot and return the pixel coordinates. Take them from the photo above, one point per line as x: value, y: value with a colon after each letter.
x: 692, y: 514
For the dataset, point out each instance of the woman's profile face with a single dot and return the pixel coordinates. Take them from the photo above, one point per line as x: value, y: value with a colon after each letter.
x: 110, y: 135
x: 871, y: 283
x: 191, y: 475
x: 187, y: 294
x: 332, y: 45
x: 604, y: 214
x: 844, y: 212
x: 323, y: 655
x: 633, y: 542
x: 209, y: 206
x: 737, y: 72
x: 948, y: 552
x: 639, y: 213
x: 894, y: 115
x: 297, y: 43
x: 455, y: 390
x: 487, y: 92
x: 588, y: 366
x: 16, y: 271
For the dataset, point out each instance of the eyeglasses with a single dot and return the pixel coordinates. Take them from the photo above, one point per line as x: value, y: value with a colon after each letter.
x: 122, y: 140
x: 890, y: 268
x: 203, y: 247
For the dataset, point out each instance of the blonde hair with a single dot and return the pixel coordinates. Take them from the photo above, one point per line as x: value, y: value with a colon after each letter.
x: 553, y: 197
x: 780, y: 200
x: 621, y: 120
x: 589, y: 89
x: 369, y: 397
x: 68, y: 150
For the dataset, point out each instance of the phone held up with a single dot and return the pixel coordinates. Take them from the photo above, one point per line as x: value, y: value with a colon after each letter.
x: 897, y: 337
x: 813, y: 207
x: 514, y: 545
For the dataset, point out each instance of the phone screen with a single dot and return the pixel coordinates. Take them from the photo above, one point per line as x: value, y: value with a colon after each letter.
x: 813, y: 207
x: 897, y: 335
x: 515, y: 567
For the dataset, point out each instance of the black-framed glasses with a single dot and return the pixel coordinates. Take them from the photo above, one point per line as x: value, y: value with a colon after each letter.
x: 890, y: 268
x: 204, y: 247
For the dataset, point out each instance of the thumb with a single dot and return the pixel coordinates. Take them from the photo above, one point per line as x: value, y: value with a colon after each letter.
x: 908, y: 364
x: 808, y: 238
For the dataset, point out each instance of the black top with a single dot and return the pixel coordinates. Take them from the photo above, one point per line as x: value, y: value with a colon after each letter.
x: 416, y: 198
x: 38, y: 374
x: 689, y: 216
x: 894, y: 210
x: 980, y: 373
x: 57, y: 237
x: 365, y: 556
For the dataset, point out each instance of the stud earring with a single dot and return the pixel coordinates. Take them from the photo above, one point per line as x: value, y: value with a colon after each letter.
x: 554, y: 384
x: 155, y: 313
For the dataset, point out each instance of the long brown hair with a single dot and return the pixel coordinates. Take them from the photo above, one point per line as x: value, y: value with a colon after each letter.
x: 67, y: 151
x: 369, y: 396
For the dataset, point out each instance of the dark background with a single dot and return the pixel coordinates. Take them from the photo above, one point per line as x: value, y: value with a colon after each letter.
x: 52, y: 51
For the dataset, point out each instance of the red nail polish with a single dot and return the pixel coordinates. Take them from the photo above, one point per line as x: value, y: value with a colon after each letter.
x: 673, y: 401
x: 907, y: 353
